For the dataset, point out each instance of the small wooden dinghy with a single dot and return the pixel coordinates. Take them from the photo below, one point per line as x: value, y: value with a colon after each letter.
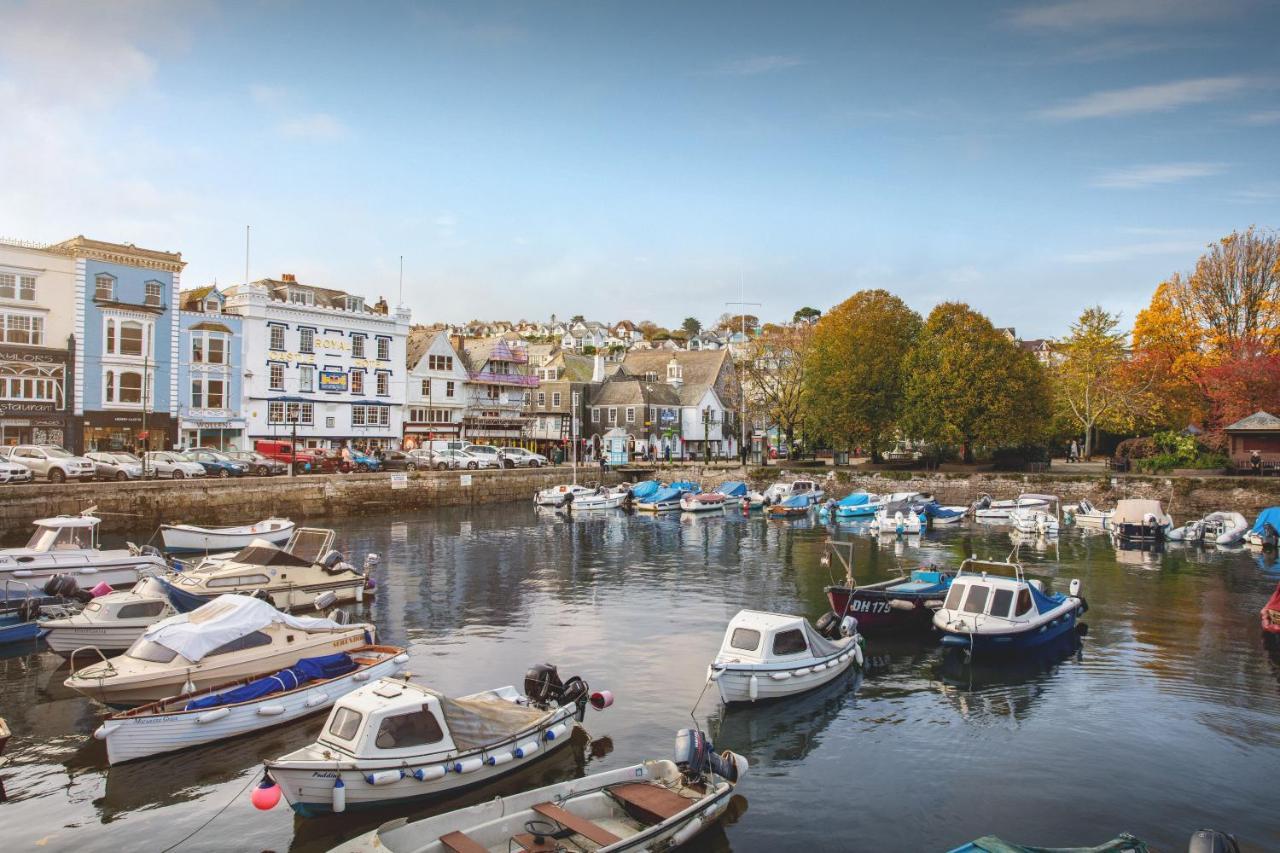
x: 308, y: 687
x: 190, y: 537
x: 772, y: 655
x: 652, y: 806
x: 1271, y: 614
x: 1124, y: 843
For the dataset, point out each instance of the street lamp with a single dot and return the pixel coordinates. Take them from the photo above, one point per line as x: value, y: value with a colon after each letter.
x: 292, y: 418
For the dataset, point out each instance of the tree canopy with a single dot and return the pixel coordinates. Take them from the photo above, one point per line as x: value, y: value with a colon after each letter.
x: 1097, y: 385
x: 967, y: 384
x: 691, y: 326
x: 806, y: 315
x: 774, y: 376
x: 854, y: 379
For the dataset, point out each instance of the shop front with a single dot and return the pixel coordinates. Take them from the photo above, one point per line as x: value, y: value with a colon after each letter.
x: 33, y: 403
x: 220, y: 434
x: 129, y: 431
x: 33, y: 428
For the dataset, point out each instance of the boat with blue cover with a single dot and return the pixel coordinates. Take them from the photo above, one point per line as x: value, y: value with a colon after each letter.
x: 1265, y: 530
x: 792, y: 507
x: 903, y: 603
x: 644, y: 489
x: 855, y: 505
x: 667, y: 499
x: 988, y: 612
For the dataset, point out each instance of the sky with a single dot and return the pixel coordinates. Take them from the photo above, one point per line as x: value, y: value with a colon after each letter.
x: 651, y: 160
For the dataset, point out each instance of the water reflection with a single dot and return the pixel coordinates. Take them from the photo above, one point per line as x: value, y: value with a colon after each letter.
x: 767, y: 734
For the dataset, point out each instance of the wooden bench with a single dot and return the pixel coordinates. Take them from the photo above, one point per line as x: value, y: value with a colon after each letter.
x: 531, y: 844
x: 579, y: 825
x: 650, y: 804
x: 460, y: 842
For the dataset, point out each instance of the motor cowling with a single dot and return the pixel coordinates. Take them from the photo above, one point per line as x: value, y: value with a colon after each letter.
x: 695, y: 756
x: 542, y: 684
x: 331, y: 559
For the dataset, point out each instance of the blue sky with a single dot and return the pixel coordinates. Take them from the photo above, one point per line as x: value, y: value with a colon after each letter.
x: 646, y: 160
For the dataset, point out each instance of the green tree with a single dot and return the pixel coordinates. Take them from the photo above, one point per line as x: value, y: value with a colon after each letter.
x: 773, y: 373
x: 1095, y: 382
x: 806, y: 315
x: 691, y: 326
x: 968, y: 384
x: 853, y: 373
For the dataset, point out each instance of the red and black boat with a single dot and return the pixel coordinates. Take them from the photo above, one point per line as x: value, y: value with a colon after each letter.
x: 904, y: 603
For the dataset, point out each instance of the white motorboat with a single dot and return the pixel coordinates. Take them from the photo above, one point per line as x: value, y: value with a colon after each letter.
x: 189, y: 537
x: 772, y: 655
x: 1085, y: 514
x: 1264, y: 532
x: 556, y: 495
x: 230, y: 638
x: 112, y: 623
x: 293, y: 576
x: 780, y: 491
x: 1037, y: 519
x: 902, y: 517
x: 1216, y: 528
x: 395, y: 740
x: 308, y: 687
x: 1138, y: 520
x: 992, y: 511
x: 652, y: 806
x: 68, y: 545
x: 600, y: 498
x: 704, y: 502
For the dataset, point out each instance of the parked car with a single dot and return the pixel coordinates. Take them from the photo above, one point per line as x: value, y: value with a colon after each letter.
x: 484, y: 451
x: 260, y: 464
x: 172, y: 466
x: 360, y: 462
x: 396, y: 460
x: 217, y: 465
x: 424, y: 460
x: 12, y: 472
x: 116, y: 466
x: 53, y: 463
x: 518, y: 457
x: 304, y: 460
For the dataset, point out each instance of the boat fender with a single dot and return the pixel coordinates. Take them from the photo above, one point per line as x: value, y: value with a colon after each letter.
x: 753, y: 688
x: 325, y: 600
x: 804, y: 670
x: 468, y: 765
x: 339, y: 796
x: 266, y: 795
x: 430, y: 773
x: 500, y: 758
x: 557, y: 731
x: 779, y: 676
x: 317, y: 699
x: 402, y: 659
x: 360, y: 676
x: 899, y: 604
x: 818, y: 667
x: 857, y: 653
x: 688, y: 831
x: 214, y: 715
x: 601, y: 699
x: 270, y: 710
x: 101, y: 732
x: 933, y: 604
x: 384, y: 777
x: 1075, y: 587
x: 526, y: 749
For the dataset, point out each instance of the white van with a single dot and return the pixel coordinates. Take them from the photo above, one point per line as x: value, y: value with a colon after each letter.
x: 438, y: 444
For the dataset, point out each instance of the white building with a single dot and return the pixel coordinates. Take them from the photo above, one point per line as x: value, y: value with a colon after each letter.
x: 436, y: 399
x: 320, y: 360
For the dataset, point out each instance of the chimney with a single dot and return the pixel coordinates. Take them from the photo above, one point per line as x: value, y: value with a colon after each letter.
x: 597, y: 369
x: 288, y: 276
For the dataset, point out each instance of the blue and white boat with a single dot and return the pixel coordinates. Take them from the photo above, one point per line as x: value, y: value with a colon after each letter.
x: 644, y: 489
x: 667, y: 499
x: 940, y: 514
x: 737, y: 493
x: 856, y: 505
x: 986, y: 612
x: 1264, y: 532
x: 900, y: 518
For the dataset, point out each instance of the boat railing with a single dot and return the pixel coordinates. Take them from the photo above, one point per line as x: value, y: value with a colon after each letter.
x: 973, y: 561
x: 111, y: 669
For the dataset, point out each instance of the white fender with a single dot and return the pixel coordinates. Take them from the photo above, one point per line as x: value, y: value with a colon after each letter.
x: 857, y: 653
x: 384, y: 777
x: 360, y: 676
x: 317, y: 699
x: 430, y: 773
x: 102, y: 731
x: 899, y: 604
x: 400, y: 659
x: 753, y: 688
x: 212, y: 716
x: 818, y: 667
x: 527, y: 748
x: 557, y: 731
x: 688, y: 831
x: 804, y: 670
x: 468, y: 765
x: 270, y: 710
x: 500, y: 758
x: 339, y: 796
x: 779, y: 676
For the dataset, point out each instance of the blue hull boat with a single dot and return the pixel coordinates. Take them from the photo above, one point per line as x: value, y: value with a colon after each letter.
x: 987, y: 612
x: 1124, y: 843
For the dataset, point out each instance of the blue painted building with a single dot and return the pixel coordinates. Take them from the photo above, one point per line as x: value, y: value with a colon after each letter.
x: 126, y: 319
x: 209, y: 372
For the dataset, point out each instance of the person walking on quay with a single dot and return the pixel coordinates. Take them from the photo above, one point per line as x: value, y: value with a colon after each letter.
x: 346, y: 458
x: 1073, y: 455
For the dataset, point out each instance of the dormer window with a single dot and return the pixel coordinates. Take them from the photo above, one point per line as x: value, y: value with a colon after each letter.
x: 212, y: 306
x: 651, y: 376
x: 105, y: 287
x: 674, y: 373
x: 301, y: 297
x: 354, y: 303
x: 154, y: 293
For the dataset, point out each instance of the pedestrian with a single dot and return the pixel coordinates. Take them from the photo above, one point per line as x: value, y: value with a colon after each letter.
x: 1073, y: 455
x: 666, y: 452
x: 1255, y: 462
x: 346, y: 458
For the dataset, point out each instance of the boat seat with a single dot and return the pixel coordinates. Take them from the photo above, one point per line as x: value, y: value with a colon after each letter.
x: 530, y: 844
x: 579, y: 825
x: 460, y: 842
x: 649, y: 803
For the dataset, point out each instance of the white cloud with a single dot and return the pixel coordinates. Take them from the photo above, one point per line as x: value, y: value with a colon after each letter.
x: 758, y: 65
x: 1087, y: 14
x: 1161, y: 97
x: 1262, y: 117
x: 1260, y: 193
x: 316, y: 126
x: 1135, y: 250
x: 1154, y: 174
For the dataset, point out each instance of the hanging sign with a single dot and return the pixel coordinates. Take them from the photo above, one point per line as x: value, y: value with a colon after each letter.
x: 333, y: 380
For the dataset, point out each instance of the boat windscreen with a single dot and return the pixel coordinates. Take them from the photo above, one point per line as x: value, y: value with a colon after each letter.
x: 267, y: 555
x: 309, y: 544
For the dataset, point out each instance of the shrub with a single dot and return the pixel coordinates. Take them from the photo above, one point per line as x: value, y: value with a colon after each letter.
x: 1019, y: 457
x: 1136, y: 448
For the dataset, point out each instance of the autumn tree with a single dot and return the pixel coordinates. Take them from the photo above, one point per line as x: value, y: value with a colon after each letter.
x: 1095, y: 381
x: 773, y: 372
x: 1235, y: 291
x: 854, y: 379
x: 735, y: 322
x: 1241, y: 384
x: 969, y: 385
x: 1169, y: 347
x: 691, y: 326
x: 806, y: 315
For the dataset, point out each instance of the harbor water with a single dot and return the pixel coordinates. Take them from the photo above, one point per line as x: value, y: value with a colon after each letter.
x: 1165, y: 720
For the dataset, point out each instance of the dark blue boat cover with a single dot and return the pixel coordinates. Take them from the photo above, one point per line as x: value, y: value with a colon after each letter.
x: 644, y: 488
x: 1045, y: 603
x: 182, y: 601
x: 855, y: 499
x: 664, y: 495
x: 732, y: 489
x: 307, y: 669
x: 686, y: 486
x: 1269, y: 515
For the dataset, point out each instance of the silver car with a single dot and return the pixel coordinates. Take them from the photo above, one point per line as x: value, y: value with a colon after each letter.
x: 53, y: 463
x: 518, y: 457
x: 172, y: 466
x: 116, y: 466
x: 12, y: 472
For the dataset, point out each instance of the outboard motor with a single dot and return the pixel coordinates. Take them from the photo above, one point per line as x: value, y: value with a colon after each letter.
x: 340, y: 616
x: 331, y: 559
x: 696, y: 757
x: 1085, y: 505
x: 982, y: 502
x: 325, y: 600
x: 1212, y: 841
x: 542, y: 684
x: 261, y: 595
x: 828, y: 624
x: 1270, y: 536
x: 65, y: 586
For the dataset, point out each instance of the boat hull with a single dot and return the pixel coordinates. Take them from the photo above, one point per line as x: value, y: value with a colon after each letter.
x: 880, y: 611
x: 111, y: 639
x: 188, y: 538
x: 735, y: 685
x: 132, y: 737
x: 662, y: 506
x: 1014, y: 641
x: 308, y: 787
x: 115, y: 572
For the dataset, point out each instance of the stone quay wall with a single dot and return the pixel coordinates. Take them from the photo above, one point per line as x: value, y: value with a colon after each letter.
x: 126, y: 507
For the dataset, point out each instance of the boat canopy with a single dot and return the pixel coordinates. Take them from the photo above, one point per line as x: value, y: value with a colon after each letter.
x: 733, y: 489
x: 1270, y: 515
x: 800, y: 500
x: 760, y: 636
x: 260, y: 552
x: 1034, y: 497
x: 664, y: 495
x: 685, y: 486
x: 855, y: 499
x: 1134, y: 511
x: 228, y: 617
x: 644, y: 488
x: 68, y: 521
x: 308, y: 669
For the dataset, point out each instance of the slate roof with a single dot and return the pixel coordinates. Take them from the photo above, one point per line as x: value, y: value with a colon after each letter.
x: 622, y: 390
x: 1257, y: 421
x: 418, y: 343
x: 700, y: 369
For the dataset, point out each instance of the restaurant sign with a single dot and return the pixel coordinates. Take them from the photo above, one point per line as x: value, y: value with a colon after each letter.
x: 333, y: 380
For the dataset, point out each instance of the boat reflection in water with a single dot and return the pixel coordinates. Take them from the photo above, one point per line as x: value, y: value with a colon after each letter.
x: 1002, y: 687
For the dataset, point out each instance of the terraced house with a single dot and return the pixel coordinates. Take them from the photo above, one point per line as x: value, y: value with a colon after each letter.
x: 209, y: 371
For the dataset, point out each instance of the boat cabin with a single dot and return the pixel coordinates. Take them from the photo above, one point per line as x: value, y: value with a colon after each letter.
x: 390, y: 718
x: 64, y: 533
x: 1007, y: 598
x: 755, y: 636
